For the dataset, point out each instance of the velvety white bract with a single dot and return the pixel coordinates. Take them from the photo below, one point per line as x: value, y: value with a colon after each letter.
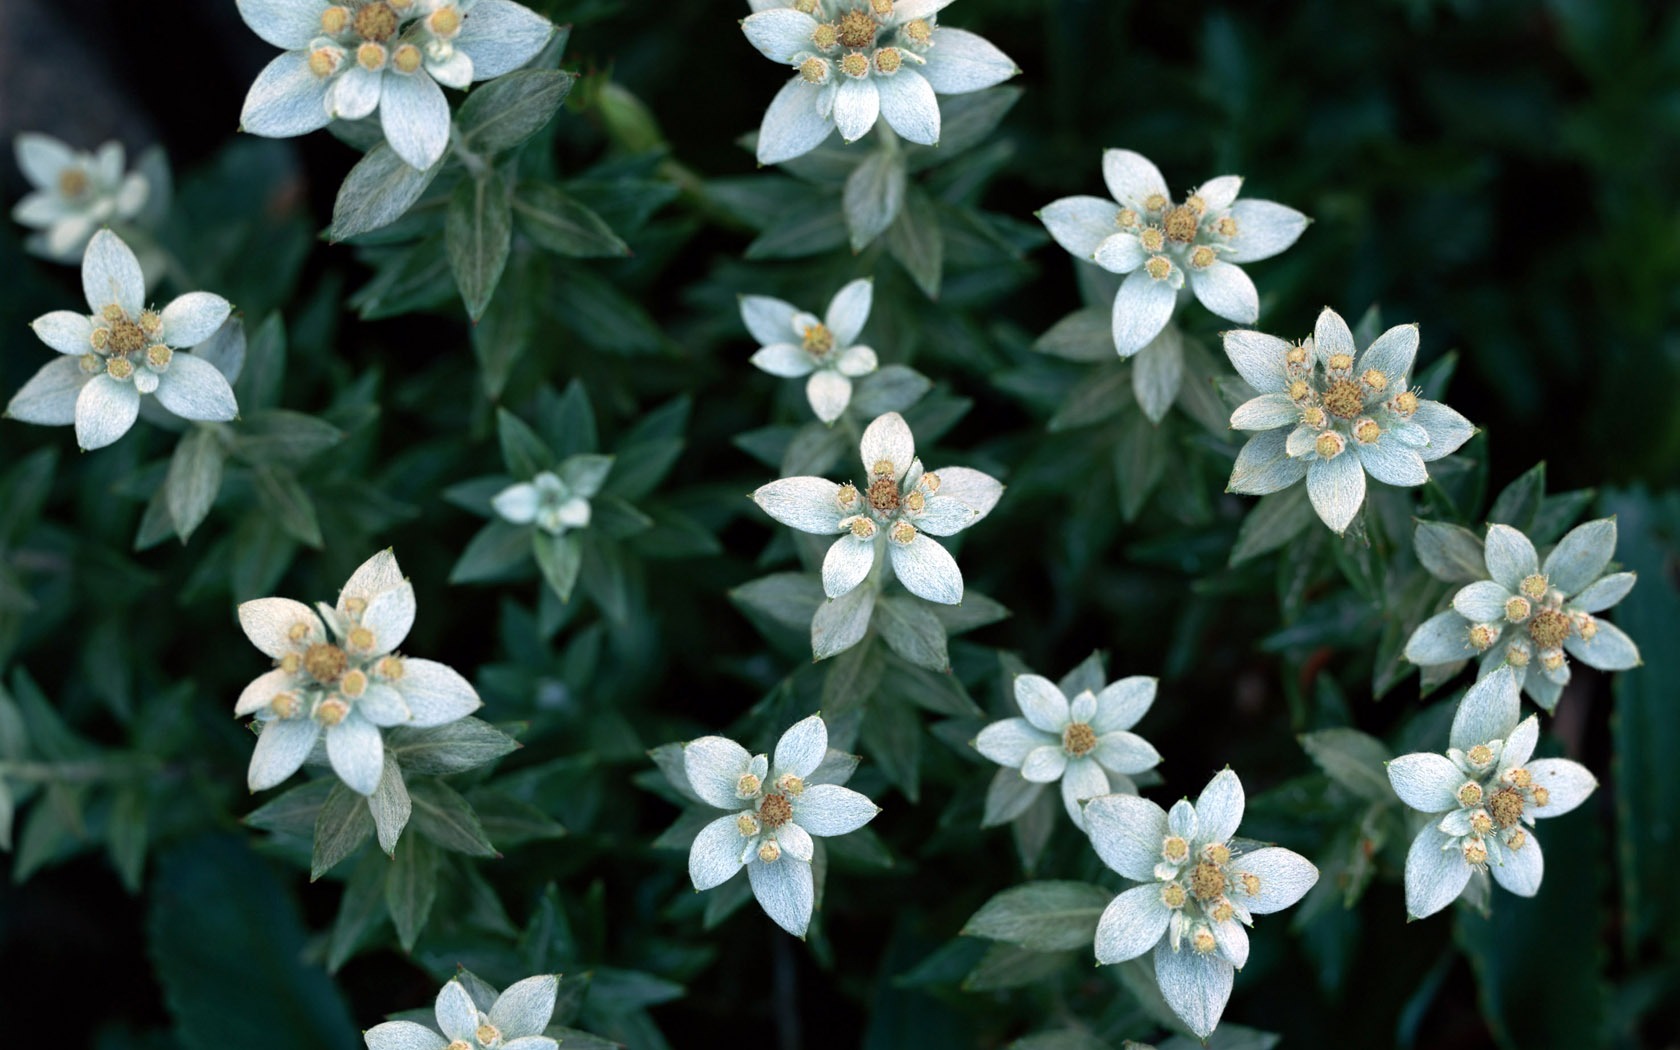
x: 775, y: 805
x: 1331, y: 414
x: 74, y: 193
x: 857, y: 61
x: 898, y: 509
x: 514, y: 1020
x: 1198, y: 892
x: 122, y: 351
x: 555, y: 501
x: 1085, y: 743
x: 344, y: 61
x: 1161, y: 246
x: 824, y: 351
x: 1486, y: 792
x: 1530, y: 613
x: 337, y: 674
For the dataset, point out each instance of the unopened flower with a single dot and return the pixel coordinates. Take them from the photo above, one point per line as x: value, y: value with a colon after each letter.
x: 1086, y: 744
x: 1141, y: 233
x: 555, y: 502
x: 1199, y: 891
x: 122, y: 351
x: 514, y: 1021
x: 74, y: 193
x: 1529, y: 614
x: 898, y: 507
x: 857, y: 60
x: 795, y: 343
x: 337, y: 671
x: 343, y: 61
x: 775, y: 805
x: 1332, y: 414
x: 1487, y: 793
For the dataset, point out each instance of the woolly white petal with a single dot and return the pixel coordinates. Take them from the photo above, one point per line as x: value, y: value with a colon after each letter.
x: 1133, y: 923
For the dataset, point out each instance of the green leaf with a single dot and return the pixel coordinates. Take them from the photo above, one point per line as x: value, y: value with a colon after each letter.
x: 560, y: 224
x: 341, y: 826
x: 1158, y: 372
x: 1009, y: 966
x: 1140, y: 459
x: 127, y: 834
x: 560, y: 558
x: 1451, y: 553
x: 916, y: 242
x: 358, y: 910
x: 376, y: 193
x: 287, y: 504
x: 295, y: 811
x: 892, y: 734
x: 568, y: 425
x: 453, y: 748
x: 1272, y: 522
x: 523, y: 450
x: 1085, y: 335
x: 786, y: 598
x: 508, y: 821
x: 478, y: 231
x: 503, y: 113
x: 494, y: 550
x: 874, y: 195
x: 390, y: 804
x: 1042, y: 916
x: 283, y: 438
x: 220, y: 920
x: 913, y: 632
x: 801, y: 230
x: 1352, y: 759
x: 503, y: 334
x: 1520, y: 501
x: 411, y: 888
x: 195, y: 476
x: 443, y: 816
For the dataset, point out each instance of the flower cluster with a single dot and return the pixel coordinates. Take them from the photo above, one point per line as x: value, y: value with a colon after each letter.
x: 337, y: 674
x: 513, y: 1020
x: 74, y: 193
x: 774, y: 807
x: 795, y: 343
x: 1483, y: 796
x: 898, y: 508
x: 1529, y: 613
x: 344, y: 61
x: 1156, y: 243
x: 857, y: 61
x: 122, y: 351
x: 1331, y: 414
x: 1200, y: 889
x: 1086, y: 743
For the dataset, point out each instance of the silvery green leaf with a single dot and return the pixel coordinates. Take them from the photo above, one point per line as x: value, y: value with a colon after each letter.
x: 1264, y: 466
x: 560, y: 558
x: 1083, y: 335
x: 1041, y: 916
x: 390, y: 804
x: 358, y: 909
x: 493, y: 551
x: 917, y: 243
x: 558, y: 222
x: 376, y: 192
x: 282, y: 437
x: 912, y: 631
x: 411, y: 888
x: 510, y: 109
x: 1518, y: 503
x: 1008, y: 796
x: 874, y: 196
x: 787, y: 598
x: 1436, y: 873
x: 293, y: 812
x: 1451, y: 553
x: 195, y: 476
x: 1196, y: 986
x: 447, y: 819
x: 841, y: 623
x: 454, y: 747
x: 478, y: 231
x: 1009, y: 966
x: 1104, y: 393
x: 892, y: 388
x: 1352, y: 759
x: 1275, y: 520
x: 341, y: 826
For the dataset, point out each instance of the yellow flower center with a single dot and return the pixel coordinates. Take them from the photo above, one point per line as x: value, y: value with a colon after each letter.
x: 1344, y: 399
x: 775, y: 811
x: 72, y: 182
x: 1207, y: 881
x: 1079, y: 739
x: 1549, y: 628
x: 376, y: 22
x: 325, y: 663
x: 856, y: 29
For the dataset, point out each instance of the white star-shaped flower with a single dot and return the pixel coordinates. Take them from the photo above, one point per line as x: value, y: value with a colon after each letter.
x: 74, y: 193
x: 795, y: 343
x: 775, y: 807
x: 514, y: 1021
x: 337, y: 672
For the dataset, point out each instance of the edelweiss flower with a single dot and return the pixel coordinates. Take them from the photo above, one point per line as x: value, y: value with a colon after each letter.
x: 1488, y: 794
x: 555, y: 502
x: 347, y: 683
x: 1199, y: 892
x: 775, y: 808
x: 1331, y: 417
x: 823, y: 350
x: 122, y: 351
x: 345, y: 60
x: 1156, y: 242
x: 75, y: 193
x: 899, y: 508
x: 1548, y: 608
x: 862, y: 59
x: 1084, y: 744
x: 515, y: 1021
